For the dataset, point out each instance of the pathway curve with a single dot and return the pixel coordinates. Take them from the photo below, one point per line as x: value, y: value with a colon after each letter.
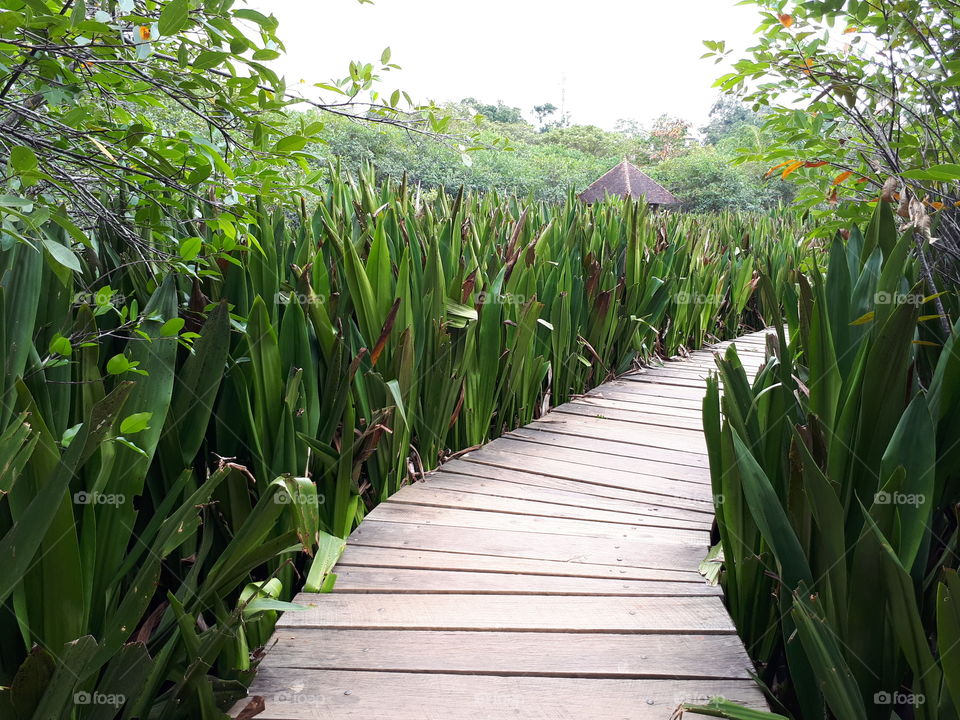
x: 551, y: 574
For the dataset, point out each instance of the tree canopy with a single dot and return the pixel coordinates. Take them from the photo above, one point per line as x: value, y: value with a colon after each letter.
x: 860, y: 91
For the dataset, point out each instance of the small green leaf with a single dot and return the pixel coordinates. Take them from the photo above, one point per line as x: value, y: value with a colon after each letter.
x: 138, y: 422
x: 171, y: 327
x: 16, y: 202
x: 291, y: 143
x: 199, y: 174
x: 127, y: 444
x: 209, y: 59
x: 63, y: 255
x: 23, y: 159
x: 118, y: 364
x: 69, y: 434
x: 60, y: 345
x: 257, y: 17
x: 939, y: 173
x: 190, y: 248
x: 266, y: 54
x: 174, y: 17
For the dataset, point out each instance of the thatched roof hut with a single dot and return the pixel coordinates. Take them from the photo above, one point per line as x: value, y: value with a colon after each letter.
x: 627, y: 180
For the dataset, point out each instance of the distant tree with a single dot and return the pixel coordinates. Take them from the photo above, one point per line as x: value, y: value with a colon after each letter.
x: 544, y: 111
x: 728, y: 116
x: 668, y: 138
x: 159, y: 101
x: 859, y: 93
x: 549, y: 110
x: 706, y: 181
x: 629, y: 127
x: 589, y: 139
x: 499, y: 113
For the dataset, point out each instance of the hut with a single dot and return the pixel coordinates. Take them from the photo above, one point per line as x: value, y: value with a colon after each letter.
x: 627, y: 180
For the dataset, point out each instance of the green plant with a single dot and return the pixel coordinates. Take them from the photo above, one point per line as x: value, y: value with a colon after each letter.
x: 838, y: 471
x: 179, y: 438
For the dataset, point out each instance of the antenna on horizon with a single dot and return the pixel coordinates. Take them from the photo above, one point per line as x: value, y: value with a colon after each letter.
x: 563, y: 95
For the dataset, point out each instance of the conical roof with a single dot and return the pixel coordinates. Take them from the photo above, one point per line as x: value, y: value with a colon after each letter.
x: 626, y: 179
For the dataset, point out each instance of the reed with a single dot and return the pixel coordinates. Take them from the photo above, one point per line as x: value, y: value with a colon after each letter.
x: 187, y: 433
x: 837, y: 477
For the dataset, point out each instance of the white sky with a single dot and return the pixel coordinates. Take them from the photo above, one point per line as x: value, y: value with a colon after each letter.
x: 616, y: 58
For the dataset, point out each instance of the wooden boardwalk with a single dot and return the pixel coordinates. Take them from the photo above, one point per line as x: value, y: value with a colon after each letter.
x: 551, y: 574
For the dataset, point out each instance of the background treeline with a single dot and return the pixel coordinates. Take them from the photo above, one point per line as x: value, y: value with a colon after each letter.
x: 545, y: 159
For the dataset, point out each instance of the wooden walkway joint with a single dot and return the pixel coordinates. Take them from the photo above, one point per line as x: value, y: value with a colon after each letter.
x: 552, y: 573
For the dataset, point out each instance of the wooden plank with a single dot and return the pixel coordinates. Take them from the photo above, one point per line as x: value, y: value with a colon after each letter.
x: 650, y: 461
x: 657, y: 389
x: 754, y: 351
x: 442, y: 495
x: 528, y: 654
x: 389, y: 511
x: 597, y: 410
x: 670, y: 379
x: 407, y: 581
x: 328, y: 694
x: 689, y: 375
x: 693, y: 364
x: 646, y: 393
x: 608, y: 471
x: 602, y: 428
x: 660, y: 412
x: 746, y: 343
x: 709, y: 357
x: 549, y: 613
x: 535, y: 546
x: 467, y: 466
x: 387, y: 557
x: 690, y: 371
x: 758, y: 339
x: 693, y: 389
x: 565, y: 499
x: 568, y: 432
x: 626, y: 392
x: 652, y: 424
x: 703, y: 367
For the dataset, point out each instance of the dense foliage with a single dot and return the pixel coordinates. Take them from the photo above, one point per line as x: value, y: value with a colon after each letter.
x: 837, y: 477
x: 220, y: 349
x: 179, y: 437
x: 546, y: 164
x: 857, y: 91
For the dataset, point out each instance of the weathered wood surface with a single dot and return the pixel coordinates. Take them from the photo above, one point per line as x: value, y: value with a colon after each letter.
x: 551, y: 573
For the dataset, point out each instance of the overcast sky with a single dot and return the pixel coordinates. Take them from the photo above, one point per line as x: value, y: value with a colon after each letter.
x: 614, y: 58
